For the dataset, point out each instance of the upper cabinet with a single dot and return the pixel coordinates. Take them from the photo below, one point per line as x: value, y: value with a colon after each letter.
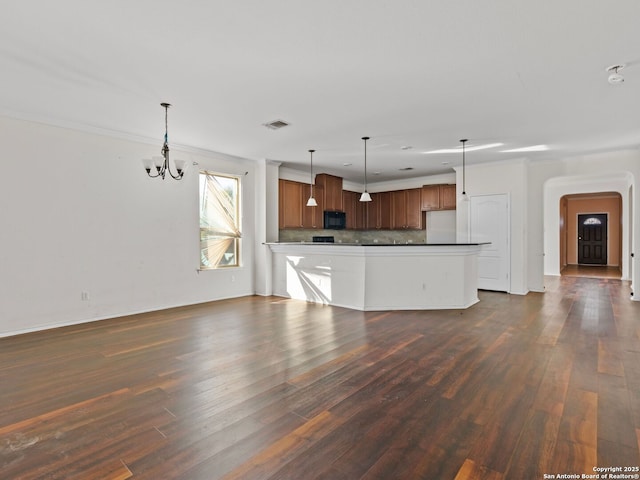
x: 292, y: 209
x: 438, y: 197
x: 289, y: 204
x: 332, y: 191
x: 414, y: 213
x: 431, y: 197
x: 354, y: 209
x: 406, y: 210
x: 448, y: 197
x: 397, y: 210
x: 379, y: 211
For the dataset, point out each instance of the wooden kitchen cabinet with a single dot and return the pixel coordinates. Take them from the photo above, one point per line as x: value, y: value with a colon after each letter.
x: 447, y: 197
x: 379, y: 211
x: 354, y: 209
x: 431, y: 197
x: 406, y: 210
x: 292, y: 205
x: 398, y: 210
x: 289, y: 205
x: 414, y: 213
x: 438, y: 197
x: 332, y: 191
x: 385, y: 210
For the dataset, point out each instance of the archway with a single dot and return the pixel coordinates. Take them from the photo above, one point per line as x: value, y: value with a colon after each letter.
x: 557, y: 187
x: 577, y: 253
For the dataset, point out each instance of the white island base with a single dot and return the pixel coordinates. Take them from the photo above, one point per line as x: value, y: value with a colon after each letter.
x: 378, y: 277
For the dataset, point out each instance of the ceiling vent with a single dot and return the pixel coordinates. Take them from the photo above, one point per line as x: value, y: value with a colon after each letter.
x: 276, y: 124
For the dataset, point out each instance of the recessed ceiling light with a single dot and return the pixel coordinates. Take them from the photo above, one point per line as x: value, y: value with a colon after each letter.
x: 533, y: 148
x: 406, y: 147
x: 445, y: 163
x: 468, y: 149
x: 404, y: 169
x: 376, y: 173
x: 347, y: 164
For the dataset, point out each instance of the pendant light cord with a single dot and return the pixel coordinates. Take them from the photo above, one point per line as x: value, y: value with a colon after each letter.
x: 464, y: 185
x: 311, y: 175
x: 365, y: 162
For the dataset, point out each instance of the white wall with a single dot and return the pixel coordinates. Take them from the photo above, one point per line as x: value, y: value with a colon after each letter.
x: 79, y: 214
x: 498, y: 178
x: 266, y: 207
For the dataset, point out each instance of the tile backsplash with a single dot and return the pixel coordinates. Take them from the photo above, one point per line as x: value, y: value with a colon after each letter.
x: 355, y: 236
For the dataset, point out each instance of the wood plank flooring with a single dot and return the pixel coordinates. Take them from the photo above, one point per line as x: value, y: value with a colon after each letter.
x: 594, y: 271
x: 515, y: 387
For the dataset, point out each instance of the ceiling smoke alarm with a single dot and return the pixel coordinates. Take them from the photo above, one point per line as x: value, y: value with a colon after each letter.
x: 614, y: 75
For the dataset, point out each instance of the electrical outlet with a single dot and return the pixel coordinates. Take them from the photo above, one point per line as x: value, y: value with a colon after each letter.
x: 84, y: 296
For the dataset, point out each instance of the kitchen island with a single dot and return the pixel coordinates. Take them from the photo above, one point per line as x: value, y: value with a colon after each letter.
x: 378, y: 276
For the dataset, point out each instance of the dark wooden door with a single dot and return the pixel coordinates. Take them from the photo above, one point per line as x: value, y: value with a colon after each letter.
x: 592, y: 239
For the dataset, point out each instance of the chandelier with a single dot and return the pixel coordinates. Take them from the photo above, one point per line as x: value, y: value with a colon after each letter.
x: 160, y: 165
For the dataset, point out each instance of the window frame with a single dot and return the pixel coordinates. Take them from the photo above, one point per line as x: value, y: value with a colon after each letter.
x: 238, y: 215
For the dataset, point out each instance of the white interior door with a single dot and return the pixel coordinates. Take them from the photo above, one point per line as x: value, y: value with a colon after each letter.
x: 489, y: 222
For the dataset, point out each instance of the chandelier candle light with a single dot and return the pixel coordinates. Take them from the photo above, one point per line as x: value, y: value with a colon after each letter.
x: 365, y: 197
x: 312, y: 201
x: 161, y: 164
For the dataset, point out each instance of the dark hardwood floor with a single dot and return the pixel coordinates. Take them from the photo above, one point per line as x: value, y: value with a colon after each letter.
x: 513, y: 388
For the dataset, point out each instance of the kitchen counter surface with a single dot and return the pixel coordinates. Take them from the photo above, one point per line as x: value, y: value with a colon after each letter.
x: 378, y: 244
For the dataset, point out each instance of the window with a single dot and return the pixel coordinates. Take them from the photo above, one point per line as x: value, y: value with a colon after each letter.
x: 219, y: 221
x: 592, y: 221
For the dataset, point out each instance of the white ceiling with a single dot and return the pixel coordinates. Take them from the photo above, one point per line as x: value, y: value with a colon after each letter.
x: 406, y: 73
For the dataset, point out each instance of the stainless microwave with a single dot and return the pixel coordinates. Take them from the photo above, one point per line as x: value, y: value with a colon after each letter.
x: 335, y: 220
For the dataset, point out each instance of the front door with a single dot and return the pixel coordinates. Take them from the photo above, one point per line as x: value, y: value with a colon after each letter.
x: 592, y: 239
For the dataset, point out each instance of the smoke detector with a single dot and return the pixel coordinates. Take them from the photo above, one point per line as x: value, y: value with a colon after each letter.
x: 615, y: 77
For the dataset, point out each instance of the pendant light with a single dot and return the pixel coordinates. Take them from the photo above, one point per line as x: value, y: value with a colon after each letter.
x: 312, y: 201
x: 161, y: 164
x: 465, y: 198
x: 365, y: 197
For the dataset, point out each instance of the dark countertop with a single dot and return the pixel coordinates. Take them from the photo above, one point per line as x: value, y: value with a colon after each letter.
x: 329, y: 244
